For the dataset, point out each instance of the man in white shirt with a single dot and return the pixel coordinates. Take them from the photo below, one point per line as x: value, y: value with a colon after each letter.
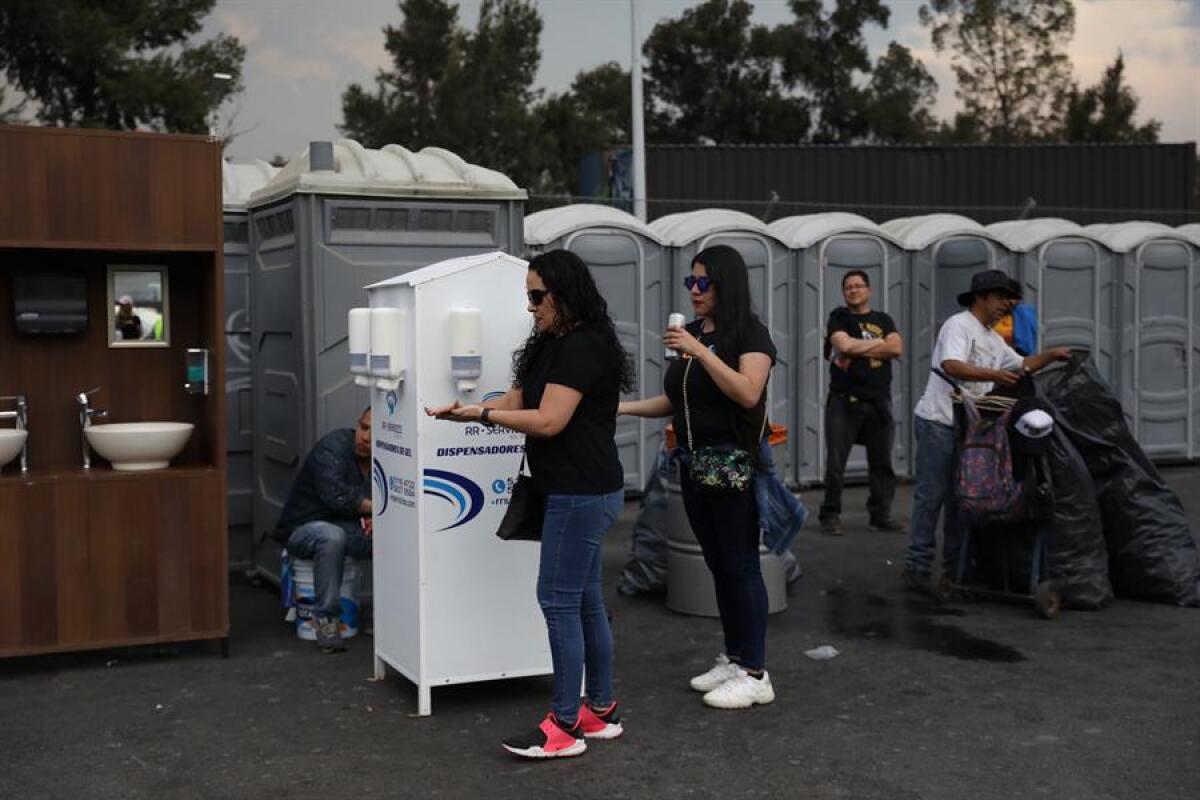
x: 969, y: 351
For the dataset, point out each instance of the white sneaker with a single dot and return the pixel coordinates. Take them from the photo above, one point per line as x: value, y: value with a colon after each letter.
x: 741, y: 691
x: 722, y: 670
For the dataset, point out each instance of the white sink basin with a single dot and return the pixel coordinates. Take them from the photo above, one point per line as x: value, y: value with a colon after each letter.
x: 139, y: 445
x: 11, y: 442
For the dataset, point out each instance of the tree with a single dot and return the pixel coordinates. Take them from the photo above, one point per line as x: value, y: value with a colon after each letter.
x: 1106, y: 111
x: 118, y: 64
x: 820, y: 54
x: 470, y: 92
x: 900, y: 99
x: 712, y: 76
x: 592, y: 115
x: 1009, y: 61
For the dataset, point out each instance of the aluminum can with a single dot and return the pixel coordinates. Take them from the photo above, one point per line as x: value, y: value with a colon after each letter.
x: 675, y: 320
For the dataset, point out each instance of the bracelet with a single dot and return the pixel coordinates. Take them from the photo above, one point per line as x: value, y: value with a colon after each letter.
x: 483, y: 417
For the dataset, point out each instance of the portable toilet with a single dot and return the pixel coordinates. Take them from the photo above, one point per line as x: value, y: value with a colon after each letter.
x: 687, y: 233
x: 1070, y: 278
x: 945, y: 250
x: 453, y: 603
x: 1158, y: 338
x: 824, y: 248
x: 239, y: 180
x: 630, y: 268
x: 1191, y: 232
x: 340, y: 216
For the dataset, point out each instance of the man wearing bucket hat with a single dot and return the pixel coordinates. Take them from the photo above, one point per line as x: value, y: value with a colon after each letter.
x: 977, y: 358
x: 327, y: 517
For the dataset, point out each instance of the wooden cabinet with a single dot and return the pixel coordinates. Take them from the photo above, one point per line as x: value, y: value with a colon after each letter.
x: 102, y: 558
x: 112, y: 559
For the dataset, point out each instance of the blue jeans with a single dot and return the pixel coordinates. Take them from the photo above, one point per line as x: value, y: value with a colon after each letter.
x: 934, y: 492
x: 327, y: 544
x: 572, y: 600
x: 726, y: 526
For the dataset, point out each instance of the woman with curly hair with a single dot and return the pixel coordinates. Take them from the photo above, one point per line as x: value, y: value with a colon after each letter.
x: 567, y: 381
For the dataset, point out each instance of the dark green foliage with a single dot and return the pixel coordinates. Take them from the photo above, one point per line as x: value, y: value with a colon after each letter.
x: 1009, y: 61
x: 119, y: 64
x: 467, y: 91
x: 1105, y: 112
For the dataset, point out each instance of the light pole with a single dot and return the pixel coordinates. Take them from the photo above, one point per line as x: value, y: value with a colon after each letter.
x: 638, y: 132
x: 215, y: 80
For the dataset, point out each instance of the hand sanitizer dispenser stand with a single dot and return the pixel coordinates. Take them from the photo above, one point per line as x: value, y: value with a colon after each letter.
x: 453, y: 603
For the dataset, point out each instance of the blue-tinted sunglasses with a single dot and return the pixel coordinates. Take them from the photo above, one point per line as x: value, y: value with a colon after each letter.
x: 704, y: 283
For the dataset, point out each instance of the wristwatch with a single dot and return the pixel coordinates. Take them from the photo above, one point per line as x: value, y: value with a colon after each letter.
x: 483, y: 417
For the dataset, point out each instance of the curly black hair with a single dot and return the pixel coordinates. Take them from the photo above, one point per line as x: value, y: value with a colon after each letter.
x: 579, y: 304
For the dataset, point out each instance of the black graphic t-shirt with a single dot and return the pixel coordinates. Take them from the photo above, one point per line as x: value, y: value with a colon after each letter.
x: 582, y: 458
x: 865, y: 378
x: 716, y: 419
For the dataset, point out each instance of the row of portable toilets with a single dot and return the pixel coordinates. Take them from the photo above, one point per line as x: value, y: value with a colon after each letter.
x: 302, y: 242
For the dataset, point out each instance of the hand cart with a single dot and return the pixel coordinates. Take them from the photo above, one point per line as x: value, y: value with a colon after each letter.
x: 1017, y: 547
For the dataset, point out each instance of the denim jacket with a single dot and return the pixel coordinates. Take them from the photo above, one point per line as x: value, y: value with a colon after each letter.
x: 330, y: 486
x: 780, y: 513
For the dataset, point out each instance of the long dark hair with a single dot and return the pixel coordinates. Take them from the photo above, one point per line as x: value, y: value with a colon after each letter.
x: 732, y: 317
x: 579, y: 304
x: 732, y: 314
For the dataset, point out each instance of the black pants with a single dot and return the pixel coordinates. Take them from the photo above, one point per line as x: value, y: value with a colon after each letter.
x: 867, y: 422
x: 726, y: 526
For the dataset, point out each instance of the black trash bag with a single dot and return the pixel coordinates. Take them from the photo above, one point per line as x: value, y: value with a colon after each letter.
x: 1152, y: 555
x: 1076, y: 554
x: 646, y: 569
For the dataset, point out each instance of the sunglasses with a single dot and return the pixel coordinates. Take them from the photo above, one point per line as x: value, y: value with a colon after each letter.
x: 536, y: 296
x: 704, y: 283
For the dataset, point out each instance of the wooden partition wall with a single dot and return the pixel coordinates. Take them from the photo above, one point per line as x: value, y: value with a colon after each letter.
x: 102, y: 558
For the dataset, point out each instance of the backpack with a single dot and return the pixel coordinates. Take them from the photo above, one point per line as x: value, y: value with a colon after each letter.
x: 987, y: 492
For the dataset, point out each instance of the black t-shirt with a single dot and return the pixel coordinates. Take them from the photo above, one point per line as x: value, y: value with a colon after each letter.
x: 866, y: 378
x: 716, y: 419
x: 582, y: 458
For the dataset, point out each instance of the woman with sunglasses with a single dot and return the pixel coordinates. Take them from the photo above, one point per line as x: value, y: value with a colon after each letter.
x: 716, y: 392
x: 567, y: 380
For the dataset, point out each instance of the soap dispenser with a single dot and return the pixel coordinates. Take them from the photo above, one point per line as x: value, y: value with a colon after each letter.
x: 466, y: 343
x: 387, y: 338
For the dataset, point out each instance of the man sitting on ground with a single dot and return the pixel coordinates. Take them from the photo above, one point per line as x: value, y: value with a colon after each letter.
x: 328, y: 517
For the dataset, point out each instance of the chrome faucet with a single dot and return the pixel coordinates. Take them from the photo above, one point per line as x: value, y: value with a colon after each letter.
x: 21, y: 417
x: 86, y: 415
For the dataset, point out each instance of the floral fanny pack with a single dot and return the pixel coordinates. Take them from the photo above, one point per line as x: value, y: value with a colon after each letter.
x: 717, y: 469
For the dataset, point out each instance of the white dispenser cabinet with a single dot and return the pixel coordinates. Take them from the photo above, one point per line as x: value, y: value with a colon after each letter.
x: 453, y: 603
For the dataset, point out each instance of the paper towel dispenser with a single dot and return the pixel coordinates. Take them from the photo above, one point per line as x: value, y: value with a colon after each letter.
x: 50, y: 302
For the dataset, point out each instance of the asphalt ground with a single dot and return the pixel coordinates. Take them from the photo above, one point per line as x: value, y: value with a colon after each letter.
x: 978, y: 700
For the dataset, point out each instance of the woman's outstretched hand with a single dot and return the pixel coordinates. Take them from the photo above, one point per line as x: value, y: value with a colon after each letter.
x: 456, y: 412
x: 441, y: 411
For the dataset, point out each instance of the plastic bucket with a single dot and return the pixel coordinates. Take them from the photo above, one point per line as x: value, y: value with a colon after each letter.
x: 304, y: 598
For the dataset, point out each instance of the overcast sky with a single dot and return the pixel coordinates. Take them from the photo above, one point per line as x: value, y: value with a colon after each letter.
x: 301, y: 55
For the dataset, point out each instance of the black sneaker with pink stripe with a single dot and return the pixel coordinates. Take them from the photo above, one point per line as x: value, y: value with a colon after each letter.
x: 551, y: 739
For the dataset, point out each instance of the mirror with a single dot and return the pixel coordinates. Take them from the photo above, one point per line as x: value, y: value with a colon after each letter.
x: 138, y: 311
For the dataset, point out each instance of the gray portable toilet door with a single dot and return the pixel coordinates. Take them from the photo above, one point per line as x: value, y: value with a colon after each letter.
x: 1163, y: 356
x: 1075, y: 300
x: 837, y: 256
x: 951, y: 264
x: 617, y: 260
x: 759, y: 256
x: 955, y: 260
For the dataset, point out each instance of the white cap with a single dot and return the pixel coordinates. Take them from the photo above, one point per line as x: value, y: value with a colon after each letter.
x: 1035, y: 424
